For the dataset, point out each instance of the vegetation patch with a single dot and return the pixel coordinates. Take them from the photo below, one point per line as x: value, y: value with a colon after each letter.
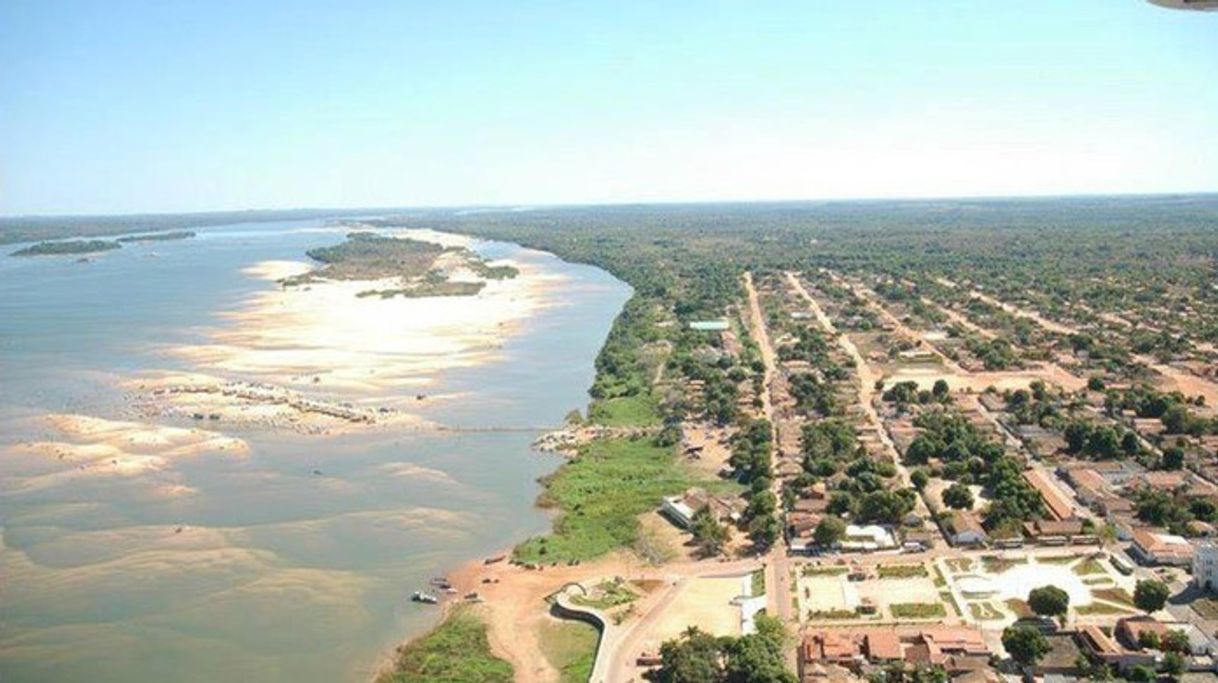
x: 918, y: 610
x: 984, y: 611
x: 829, y: 615
x: 67, y: 248
x: 1117, y: 595
x: 1089, y: 566
x: 606, y: 595
x: 901, y: 571
x: 1099, y: 608
x: 940, y: 581
x: 960, y: 565
x: 813, y: 570
x: 158, y: 236
x: 641, y: 410
x: 420, y: 267
x: 457, y: 651
x: 998, y: 565
x: 570, y: 647
x: 600, y: 495
x: 757, y: 586
x: 949, y: 599
x: 1058, y: 559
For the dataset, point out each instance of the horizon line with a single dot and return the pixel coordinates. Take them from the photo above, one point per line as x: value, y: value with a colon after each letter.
x: 610, y: 204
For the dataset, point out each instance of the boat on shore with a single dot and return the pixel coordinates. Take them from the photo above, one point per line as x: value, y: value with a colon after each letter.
x: 424, y: 598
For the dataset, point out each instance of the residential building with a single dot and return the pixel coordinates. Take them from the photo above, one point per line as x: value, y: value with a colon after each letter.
x: 1105, y: 648
x: 1152, y: 547
x: 681, y: 509
x: 957, y: 649
x: 1057, y: 503
x: 963, y: 529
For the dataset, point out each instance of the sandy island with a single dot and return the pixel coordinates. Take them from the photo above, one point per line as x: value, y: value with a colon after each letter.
x: 321, y: 359
x: 90, y: 446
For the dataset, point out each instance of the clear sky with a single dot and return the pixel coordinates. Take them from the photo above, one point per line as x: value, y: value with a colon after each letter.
x: 124, y: 106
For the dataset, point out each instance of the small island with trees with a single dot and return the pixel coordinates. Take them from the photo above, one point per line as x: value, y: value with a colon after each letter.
x: 68, y: 248
x: 422, y: 269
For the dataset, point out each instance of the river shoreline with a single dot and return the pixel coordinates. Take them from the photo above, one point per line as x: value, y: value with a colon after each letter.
x: 370, y: 511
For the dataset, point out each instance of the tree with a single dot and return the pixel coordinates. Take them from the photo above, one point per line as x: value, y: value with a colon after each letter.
x: 1173, y: 664
x: 1049, y: 601
x: 758, y: 657
x: 1173, y: 458
x: 829, y: 531
x: 958, y: 497
x: 940, y: 390
x: 764, y: 531
x: 1141, y: 674
x: 884, y: 507
x: 698, y: 657
x: 919, y: 478
x: 1026, y: 644
x: 1151, y: 595
x: 694, y: 658
x: 709, y: 534
x: 1130, y: 444
x: 1175, y: 641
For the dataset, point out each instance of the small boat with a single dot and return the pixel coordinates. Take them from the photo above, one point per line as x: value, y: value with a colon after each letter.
x: 493, y: 560
x: 425, y: 598
x: 441, y: 582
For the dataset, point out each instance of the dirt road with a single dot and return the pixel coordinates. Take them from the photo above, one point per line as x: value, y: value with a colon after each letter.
x: 777, y: 575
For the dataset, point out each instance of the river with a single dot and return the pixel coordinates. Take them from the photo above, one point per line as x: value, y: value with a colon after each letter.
x: 294, y: 558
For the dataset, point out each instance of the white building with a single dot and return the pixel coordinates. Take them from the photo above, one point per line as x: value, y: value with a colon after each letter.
x: 1205, y: 566
x: 681, y: 509
x: 867, y: 538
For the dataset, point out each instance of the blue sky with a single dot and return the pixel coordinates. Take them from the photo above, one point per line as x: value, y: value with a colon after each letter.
x: 173, y: 106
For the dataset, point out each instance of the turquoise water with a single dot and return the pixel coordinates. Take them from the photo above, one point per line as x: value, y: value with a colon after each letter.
x: 267, y: 570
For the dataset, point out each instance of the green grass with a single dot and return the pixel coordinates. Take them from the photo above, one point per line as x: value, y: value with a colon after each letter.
x: 813, y: 570
x: 758, y: 579
x: 600, y: 495
x: 948, y: 598
x: 997, y: 565
x: 626, y: 411
x: 940, y: 582
x: 984, y: 611
x: 1100, y: 608
x: 836, y: 614
x: 1057, y: 559
x: 918, y: 610
x: 1117, y: 595
x: 457, y: 651
x: 960, y: 565
x: 570, y: 647
x: 1089, y: 566
x: 901, y: 571
x: 607, y: 596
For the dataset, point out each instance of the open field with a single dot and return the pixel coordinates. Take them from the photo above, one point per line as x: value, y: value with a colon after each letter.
x: 570, y: 647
